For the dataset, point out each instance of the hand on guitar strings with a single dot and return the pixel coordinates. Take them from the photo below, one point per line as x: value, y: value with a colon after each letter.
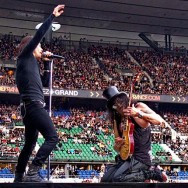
x: 118, y: 143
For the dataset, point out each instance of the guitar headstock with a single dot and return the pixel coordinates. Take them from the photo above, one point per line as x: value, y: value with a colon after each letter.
x: 137, y: 77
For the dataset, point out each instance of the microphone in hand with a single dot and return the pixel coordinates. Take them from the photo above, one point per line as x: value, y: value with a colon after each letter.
x: 50, y: 55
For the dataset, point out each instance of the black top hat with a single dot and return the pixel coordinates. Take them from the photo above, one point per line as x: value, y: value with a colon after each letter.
x: 111, y: 94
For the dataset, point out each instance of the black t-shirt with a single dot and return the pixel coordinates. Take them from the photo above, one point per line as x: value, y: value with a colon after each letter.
x: 28, y: 78
x: 142, y: 143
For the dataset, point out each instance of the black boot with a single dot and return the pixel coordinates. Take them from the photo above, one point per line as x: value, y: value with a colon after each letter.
x: 155, y: 174
x: 33, y: 174
x: 142, y: 176
x: 18, y: 177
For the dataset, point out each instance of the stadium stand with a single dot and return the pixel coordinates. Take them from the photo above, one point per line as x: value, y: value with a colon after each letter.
x: 104, y: 66
x: 84, y: 135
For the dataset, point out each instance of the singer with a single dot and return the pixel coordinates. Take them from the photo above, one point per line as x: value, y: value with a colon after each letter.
x: 35, y: 118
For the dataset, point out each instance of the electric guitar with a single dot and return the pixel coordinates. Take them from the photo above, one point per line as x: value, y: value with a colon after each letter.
x: 127, y: 149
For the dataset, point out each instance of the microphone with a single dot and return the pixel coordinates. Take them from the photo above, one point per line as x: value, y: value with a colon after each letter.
x: 44, y: 54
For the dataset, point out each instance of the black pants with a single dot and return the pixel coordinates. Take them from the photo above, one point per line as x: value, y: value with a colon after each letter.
x: 123, y: 167
x: 36, y: 119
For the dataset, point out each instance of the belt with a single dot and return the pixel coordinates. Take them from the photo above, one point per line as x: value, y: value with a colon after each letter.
x: 27, y: 102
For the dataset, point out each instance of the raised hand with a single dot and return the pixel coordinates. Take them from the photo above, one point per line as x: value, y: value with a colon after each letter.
x: 58, y: 10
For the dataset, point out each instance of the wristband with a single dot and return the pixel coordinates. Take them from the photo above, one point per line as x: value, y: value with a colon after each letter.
x: 140, y: 115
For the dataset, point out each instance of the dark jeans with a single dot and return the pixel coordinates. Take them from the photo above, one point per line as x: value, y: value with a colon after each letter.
x: 123, y: 167
x: 36, y: 119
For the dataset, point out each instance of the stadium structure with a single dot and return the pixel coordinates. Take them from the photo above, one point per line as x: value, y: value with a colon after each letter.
x: 103, y: 43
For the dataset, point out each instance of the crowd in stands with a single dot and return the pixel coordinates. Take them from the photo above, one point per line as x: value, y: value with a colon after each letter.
x: 7, y: 76
x: 90, y: 123
x: 100, y: 67
x: 169, y: 74
x: 11, y: 141
x: 8, y: 44
x: 111, y: 61
x: 180, y: 148
x: 178, y: 121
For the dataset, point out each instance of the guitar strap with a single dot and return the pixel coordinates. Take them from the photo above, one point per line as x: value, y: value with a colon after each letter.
x: 118, y: 128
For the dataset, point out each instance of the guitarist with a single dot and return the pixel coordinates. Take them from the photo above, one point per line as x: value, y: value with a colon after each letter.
x: 136, y: 167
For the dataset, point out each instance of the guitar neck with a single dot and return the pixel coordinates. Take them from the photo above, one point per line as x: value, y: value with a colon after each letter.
x: 137, y: 78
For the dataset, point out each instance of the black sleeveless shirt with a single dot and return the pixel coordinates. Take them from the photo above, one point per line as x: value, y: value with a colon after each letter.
x: 142, y: 143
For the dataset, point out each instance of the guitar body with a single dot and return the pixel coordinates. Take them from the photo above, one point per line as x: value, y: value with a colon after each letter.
x: 128, y: 148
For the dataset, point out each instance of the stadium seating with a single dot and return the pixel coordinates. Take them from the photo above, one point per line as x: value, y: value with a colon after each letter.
x: 6, y: 173
x: 87, y: 174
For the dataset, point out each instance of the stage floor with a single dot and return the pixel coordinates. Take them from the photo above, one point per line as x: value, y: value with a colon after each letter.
x: 93, y: 185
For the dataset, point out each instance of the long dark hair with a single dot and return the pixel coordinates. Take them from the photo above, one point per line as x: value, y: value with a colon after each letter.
x: 112, y: 112
x: 23, y: 44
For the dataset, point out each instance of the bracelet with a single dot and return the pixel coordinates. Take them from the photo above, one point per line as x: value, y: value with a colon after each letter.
x: 46, y: 70
x: 140, y: 115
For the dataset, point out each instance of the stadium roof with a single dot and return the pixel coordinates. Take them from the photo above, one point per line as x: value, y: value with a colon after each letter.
x: 151, y: 16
